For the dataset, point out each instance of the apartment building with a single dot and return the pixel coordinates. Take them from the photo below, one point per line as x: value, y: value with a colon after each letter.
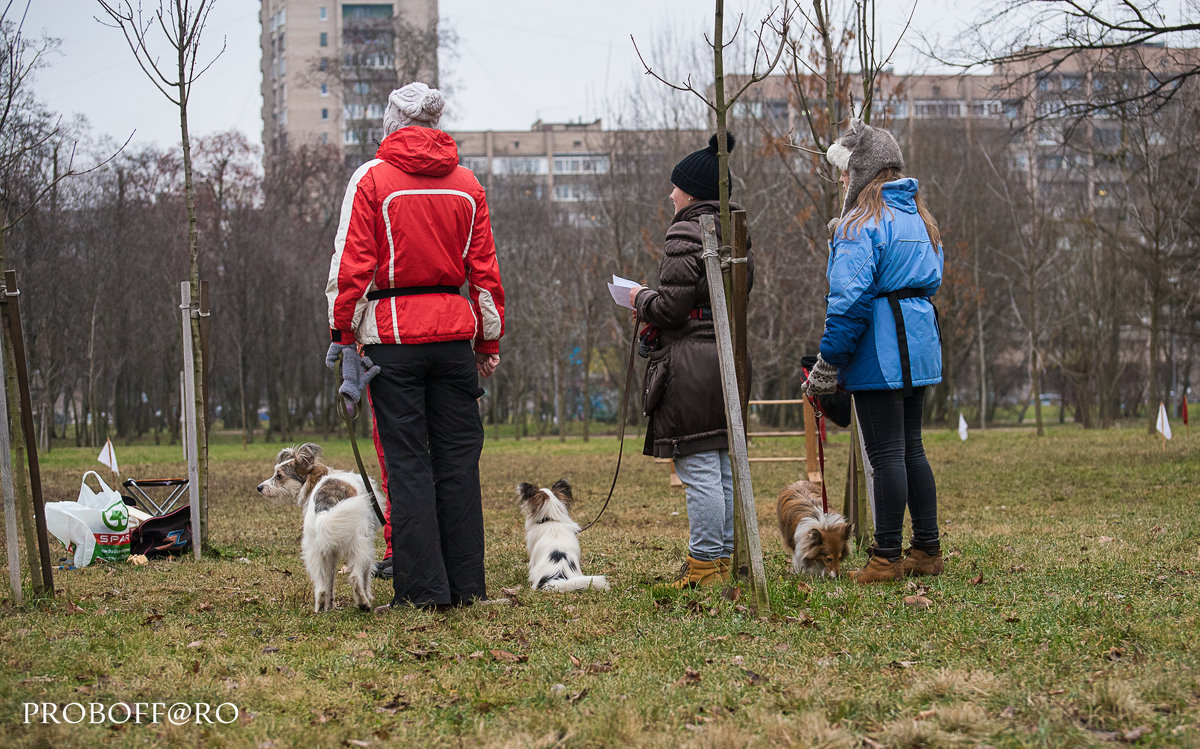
x: 328, y: 65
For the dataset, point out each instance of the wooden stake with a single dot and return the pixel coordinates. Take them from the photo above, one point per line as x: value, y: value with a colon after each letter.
x: 12, y: 295
x: 742, y: 489
x: 6, y: 485
x: 189, y: 411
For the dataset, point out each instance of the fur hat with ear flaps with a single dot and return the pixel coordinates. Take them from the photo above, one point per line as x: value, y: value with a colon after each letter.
x: 864, y: 151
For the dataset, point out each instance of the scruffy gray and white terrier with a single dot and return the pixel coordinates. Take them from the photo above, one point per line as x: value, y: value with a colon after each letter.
x: 551, y: 538
x: 339, y: 524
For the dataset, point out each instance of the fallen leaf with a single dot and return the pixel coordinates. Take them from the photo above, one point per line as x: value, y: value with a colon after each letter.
x: 1115, y: 653
x: 476, y: 655
x: 195, y: 667
x: 361, y: 635
x: 1057, y: 691
x: 804, y: 620
x: 137, y: 560
x: 872, y: 744
x: 599, y: 668
x: 739, y: 660
x: 977, y: 580
x: 195, y: 644
x: 357, y: 742
x: 755, y: 679
x: 204, y: 606
x: 507, y: 657
x: 1104, y: 540
x: 926, y: 714
x: 154, y: 617
x: 1012, y: 618
x: 690, y: 676
x: 803, y: 587
x: 574, y: 661
x: 270, y: 649
x: 510, y: 592
x: 73, y: 609
x: 732, y: 593
x: 917, y: 602
x: 419, y: 653
x: 364, y: 654
x: 578, y: 695
x: 1133, y: 734
x: 1008, y: 712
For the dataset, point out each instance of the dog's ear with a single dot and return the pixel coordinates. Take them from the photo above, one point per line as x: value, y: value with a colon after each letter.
x: 815, y: 537
x: 530, y: 498
x: 306, y: 457
x: 562, y: 489
x: 845, y: 529
x: 285, y: 454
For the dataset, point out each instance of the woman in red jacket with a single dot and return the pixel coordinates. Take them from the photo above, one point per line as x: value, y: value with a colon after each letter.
x: 414, y: 229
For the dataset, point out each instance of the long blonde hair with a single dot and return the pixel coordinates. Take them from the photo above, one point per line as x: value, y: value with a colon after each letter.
x: 869, y: 206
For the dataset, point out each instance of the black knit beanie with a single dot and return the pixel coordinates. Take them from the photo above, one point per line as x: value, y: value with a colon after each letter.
x: 696, y: 173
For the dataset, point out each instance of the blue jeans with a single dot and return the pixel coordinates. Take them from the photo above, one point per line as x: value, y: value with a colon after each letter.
x: 890, y: 425
x: 708, y: 484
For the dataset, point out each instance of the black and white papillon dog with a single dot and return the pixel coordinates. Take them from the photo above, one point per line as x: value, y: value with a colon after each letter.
x: 551, y: 538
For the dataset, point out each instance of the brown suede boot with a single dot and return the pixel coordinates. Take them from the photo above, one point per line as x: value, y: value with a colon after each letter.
x: 878, y: 570
x: 918, y: 562
x: 698, y: 574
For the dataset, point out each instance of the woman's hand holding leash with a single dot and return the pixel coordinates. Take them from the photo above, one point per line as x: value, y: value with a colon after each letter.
x: 822, y: 379
x: 357, y: 371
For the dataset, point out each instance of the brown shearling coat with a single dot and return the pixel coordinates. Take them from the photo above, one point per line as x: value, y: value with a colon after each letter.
x: 681, y: 392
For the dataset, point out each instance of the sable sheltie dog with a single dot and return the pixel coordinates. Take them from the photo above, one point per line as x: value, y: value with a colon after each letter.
x: 551, y: 538
x: 339, y: 524
x: 816, y: 541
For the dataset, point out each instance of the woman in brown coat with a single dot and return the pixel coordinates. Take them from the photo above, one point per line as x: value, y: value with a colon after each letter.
x: 682, y: 391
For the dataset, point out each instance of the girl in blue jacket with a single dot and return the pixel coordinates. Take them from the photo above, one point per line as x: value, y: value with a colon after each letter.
x: 882, y: 340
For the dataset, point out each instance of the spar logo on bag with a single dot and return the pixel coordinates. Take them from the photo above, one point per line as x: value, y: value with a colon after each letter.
x: 95, y: 526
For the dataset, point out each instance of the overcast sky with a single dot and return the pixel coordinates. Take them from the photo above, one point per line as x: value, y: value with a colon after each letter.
x: 516, y: 60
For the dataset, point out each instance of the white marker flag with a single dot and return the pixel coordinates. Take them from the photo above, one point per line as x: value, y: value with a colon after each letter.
x: 962, y: 428
x: 109, y: 458
x: 1164, y: 425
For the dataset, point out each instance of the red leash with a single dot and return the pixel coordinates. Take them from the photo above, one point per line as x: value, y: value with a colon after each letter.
x: 820, y: 444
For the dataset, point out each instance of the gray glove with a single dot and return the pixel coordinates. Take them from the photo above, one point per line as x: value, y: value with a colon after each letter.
x: 357, y: 371
x: 822, y: 379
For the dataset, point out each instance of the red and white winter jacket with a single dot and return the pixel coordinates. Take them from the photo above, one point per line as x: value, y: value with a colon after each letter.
x: 412, y: 217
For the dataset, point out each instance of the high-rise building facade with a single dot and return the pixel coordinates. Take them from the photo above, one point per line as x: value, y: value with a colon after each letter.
x: 328, y: 66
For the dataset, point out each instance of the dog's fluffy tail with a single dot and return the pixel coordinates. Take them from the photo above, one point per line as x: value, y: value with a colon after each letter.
x: 584, y: 582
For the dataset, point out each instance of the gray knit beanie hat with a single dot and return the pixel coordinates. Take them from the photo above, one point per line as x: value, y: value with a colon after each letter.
x: 864, y: 151
x: 414, y: 104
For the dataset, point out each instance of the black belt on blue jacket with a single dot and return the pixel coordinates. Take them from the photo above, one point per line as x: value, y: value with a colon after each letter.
x: 894, y: 298
x: 411, y: 291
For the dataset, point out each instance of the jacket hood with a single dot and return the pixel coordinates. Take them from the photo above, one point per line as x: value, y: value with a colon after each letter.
x: 901, y: 194
x: 420, y: 150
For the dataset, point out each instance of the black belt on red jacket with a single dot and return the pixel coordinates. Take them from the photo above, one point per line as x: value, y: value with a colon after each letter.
x: 411, y: 291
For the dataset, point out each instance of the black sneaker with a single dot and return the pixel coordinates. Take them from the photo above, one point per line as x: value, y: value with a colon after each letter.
x: 383, y: 568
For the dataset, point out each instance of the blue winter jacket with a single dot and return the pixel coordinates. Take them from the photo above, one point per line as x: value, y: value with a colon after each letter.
x: 881, y: 256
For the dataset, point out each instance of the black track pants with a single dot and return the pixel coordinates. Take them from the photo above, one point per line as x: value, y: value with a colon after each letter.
x: 424, y: 400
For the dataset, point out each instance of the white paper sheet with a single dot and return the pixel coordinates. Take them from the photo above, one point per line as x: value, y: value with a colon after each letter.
x: 619, y: 289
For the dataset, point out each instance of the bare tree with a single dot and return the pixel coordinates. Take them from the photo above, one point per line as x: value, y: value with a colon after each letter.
x: 182, y: 25
x: 1035, y: 39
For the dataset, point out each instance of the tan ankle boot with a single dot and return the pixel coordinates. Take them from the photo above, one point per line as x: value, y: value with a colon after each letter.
x: 878, y: 570
x: 698, y: 574
x: 918, y: 562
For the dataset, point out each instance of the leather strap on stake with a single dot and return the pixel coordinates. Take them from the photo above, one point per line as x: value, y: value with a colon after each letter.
x: 624, y: 418
x: 341, y: 407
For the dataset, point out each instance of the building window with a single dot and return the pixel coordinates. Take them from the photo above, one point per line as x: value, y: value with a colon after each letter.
x: 324, y: 64
x: 581, y: 164
x: 520, y: 165
x: 365, y: 12
x: 324, y: 136
x: 324, y: 114
x: 324, y: 89
x: 324, y: 15
x: 324, y: 39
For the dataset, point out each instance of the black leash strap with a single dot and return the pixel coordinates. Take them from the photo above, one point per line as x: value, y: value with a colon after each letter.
x: 624, y: 418
x: 341, y: 407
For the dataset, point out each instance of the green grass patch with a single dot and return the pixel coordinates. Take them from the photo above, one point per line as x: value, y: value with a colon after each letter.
x: 1067, y: 617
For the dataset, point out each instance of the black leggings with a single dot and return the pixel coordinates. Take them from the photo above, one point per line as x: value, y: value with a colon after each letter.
x: 890, y: 425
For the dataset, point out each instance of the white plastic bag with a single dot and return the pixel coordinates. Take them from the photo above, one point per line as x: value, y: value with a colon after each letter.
x: 95, y: 526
